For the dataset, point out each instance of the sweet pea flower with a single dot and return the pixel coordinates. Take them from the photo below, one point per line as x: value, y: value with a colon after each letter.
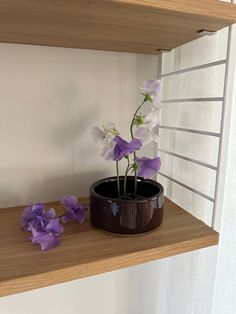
x: 32, y: 214
x: 147, y: 131
x: 123, y: 148
x: 74, y: 210
x: 108, y: 150
x: 44, y: 225
x: 152, y: 89
x: 151, y: 120
x: 48, y: 236
x: 69, y: 201
x: 105, y: 136
x: 104, y: 133
x: 147, y: 167
x: 146, y: 135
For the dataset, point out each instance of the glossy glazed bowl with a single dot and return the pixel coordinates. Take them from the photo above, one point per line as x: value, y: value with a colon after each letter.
x: 126, y: 217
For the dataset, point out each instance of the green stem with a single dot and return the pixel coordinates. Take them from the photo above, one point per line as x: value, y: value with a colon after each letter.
x: 132, y: 136
x: 126, y: 173
x: 132, y: 123
x: 118, y: 179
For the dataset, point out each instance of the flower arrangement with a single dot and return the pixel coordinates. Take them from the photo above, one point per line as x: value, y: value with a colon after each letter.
x: 45, y: 226
x: 143, y: 130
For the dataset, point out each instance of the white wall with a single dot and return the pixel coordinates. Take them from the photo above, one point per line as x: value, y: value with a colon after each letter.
x: 50, y: 98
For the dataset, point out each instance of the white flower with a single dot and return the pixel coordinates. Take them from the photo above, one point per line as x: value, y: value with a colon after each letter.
x: 108, y: 150
x: 152, y: 88
x: 146, y: 132
x: 105, y: 135
x: 146, y: 135
x: 98, y: 134
x: 151, y: 120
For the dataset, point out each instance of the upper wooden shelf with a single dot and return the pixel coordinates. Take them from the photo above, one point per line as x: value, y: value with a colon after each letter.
x: 86, y: 251
x: 141, y: 26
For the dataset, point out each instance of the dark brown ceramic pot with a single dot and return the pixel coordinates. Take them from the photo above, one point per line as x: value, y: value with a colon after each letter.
x: 133, y: 216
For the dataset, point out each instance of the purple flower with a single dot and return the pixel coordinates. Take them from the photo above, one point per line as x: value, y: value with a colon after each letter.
x: 32, y: 214
x: 48, y: 235
x: 152, y: 88
x: 69, y: 201
x: 74, y: 210
x: 147, y: 167
x: 123, y: 148
x: 45, y: 227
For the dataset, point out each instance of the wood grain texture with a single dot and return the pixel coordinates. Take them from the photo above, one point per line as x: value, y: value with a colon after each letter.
x: 86, y: 251
x: 141, y: 26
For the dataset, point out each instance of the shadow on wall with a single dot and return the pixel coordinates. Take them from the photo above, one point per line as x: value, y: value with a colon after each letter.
x: 50, y: 189
x: 75, y: 118
x: 77, y: 184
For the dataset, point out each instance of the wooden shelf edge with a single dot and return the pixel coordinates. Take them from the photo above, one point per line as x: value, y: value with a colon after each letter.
x: 136, y: 26
x: 59, y: 276
x: 24, y: 267
x: 207, y: 8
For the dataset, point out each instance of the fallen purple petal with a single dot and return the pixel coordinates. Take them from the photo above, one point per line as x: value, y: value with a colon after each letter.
x: 68, y: 216
x: 53, y: 226
x: 45, y: 226
x: 80, y: 213
x: 69, y: 201
x: 73, y: 210
x: 46, y: 240
x: 49, y: 214
x: 31, y: 213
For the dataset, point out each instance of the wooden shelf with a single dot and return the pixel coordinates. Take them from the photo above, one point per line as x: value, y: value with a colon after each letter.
x: 86, y: 251
x: 141, y: 26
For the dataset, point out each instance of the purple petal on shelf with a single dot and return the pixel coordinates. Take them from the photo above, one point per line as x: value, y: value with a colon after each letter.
x: 31, y: 213
x: 147, y: 167
x: 49, y: 214
x: 37, y: 208
x: 69, y: 215
x: 123, y: 148
x: 46, y: 240
x: 80, y: 213
x: 69, y: 201
x: 54, y: 226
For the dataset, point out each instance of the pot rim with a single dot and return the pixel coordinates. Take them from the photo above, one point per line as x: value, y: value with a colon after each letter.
x: 114, y: 178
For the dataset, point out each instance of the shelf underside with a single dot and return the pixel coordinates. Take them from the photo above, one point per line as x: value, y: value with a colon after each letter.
x: 139, y: 26
x: 86, y: 251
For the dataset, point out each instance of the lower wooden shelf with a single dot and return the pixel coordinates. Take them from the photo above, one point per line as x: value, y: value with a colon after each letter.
x: 86, y: 251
